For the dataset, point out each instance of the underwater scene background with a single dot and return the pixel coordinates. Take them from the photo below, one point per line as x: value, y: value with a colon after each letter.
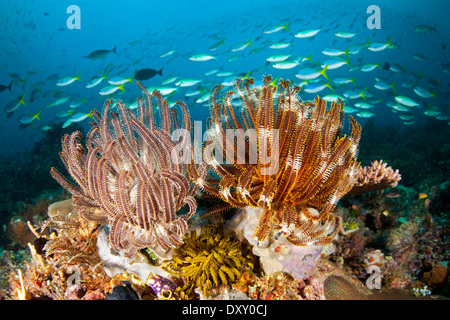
x: 387, y: 61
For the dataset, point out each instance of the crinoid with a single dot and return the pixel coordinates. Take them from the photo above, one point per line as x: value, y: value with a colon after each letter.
x: 128, y: 176
x: 209, y: 259
x: 288, y: 160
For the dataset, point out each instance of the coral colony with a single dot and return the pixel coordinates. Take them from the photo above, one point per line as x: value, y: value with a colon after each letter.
x: 256, y: 216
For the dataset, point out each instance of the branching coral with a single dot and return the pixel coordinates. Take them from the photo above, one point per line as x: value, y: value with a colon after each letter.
x: 294, y: 158
x: 128, y: 177
x: 377, y: 176
x: 209, y: 260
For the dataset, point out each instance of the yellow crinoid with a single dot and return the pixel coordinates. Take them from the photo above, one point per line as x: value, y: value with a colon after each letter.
x: 290, y: 158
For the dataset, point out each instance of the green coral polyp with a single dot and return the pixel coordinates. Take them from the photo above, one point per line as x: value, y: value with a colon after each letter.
x: 208, y: 260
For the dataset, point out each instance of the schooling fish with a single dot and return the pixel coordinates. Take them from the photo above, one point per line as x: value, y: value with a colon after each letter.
x: 348, y: 109
x: 203, y: 98
x: 3, y: 87
x: 187, y: 82
x: 285, y: 65
x: 167, y: 53
x: 224, y: 73
x: 316, y: 87
x: 334, y: 52
x: 110, y: 89
x: 76, y: 103
x: 333, y: 98
x: 29, y: 118
x: 381, y: 85
x: 64, y: 113
x: 356, y: 48
x: 192, y: 93
x: 423, y: 28
x: 163, y: 90
x: 369, y: 67
x: 275, y: 28
x: 45, y: 127
x: 80, y: 116
x: 202, y: 57
x: 307, y: 33
x: 95, y: 81
x: 278, y: 57
x: 379, y: 46
x: 419, y: 57
x: 117, y: 81
x: 432, y: 113
x: 365, y: 114
x: 345, y: 35
x: 334, y: 63
x: 342, y: 81
x: 217, y: 45
x: 406, y: 101
x: 145, y: 74
x: 100, y: 54
x: 280, y: 45
x: 311, y: 73
x: 364, y: 105
x: 68, y: 80
x: 406, y: 117
x: 394, y: 67
x: 15, y: 104
x: 57, y: 102
x: 241, y: 45
x: 400, y: 108
x: 169, y: 80
x: 424, y: 93
x: 352, y: 94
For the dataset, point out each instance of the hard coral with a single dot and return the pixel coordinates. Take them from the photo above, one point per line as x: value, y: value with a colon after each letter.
x: 337, y: 288
x: 377, y: 176
x: 209, y: 260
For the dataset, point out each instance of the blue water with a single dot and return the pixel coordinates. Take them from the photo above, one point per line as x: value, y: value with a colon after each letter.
x: 37, y: 45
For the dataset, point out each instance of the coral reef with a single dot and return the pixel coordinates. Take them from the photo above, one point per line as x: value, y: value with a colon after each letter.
x: 131, y: 229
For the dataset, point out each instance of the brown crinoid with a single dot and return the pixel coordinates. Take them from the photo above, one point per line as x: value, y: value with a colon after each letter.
x: 128, y: 177
x: 289, y: 159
